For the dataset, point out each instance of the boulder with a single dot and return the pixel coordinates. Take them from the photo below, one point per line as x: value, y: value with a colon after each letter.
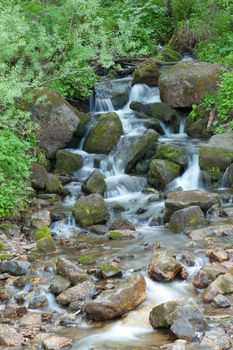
x: 183, y: 199
x: 206, y: 275
x: 121, y: 223
x: 163, y: 267
x: 41, y: 218
x: 55, y: 342
x: 115, y: 303
x: 187, y: 83
x: 147, y: 73
x: 90, y: 210
x: 198, y: 126
x: 70, y: 271
x: 84, y: 119
x: 45, y: 245
x: 95, y: 183
x: 218, y: 255
x: 38, y: 176
x: 39, y: 300
x: 117, y: 92
x: 184, y: 318
x: 56, y: 118
x: 167, y: 54
x: 59, y: 284
x: 15, y: 267
x: 53, y: 184
x: 187, y: 217
x: 77, y: 294
x: 173, y: 153
x: 222, y: 285
x: 68, y: 162
x: 9, y: 337
x: 162, y: 172
x: 106, y: 271
x: 156, y: 110
x: 211, y: 231
x: 140, y: 148
x: 105, y: 135
x: 119, y: 235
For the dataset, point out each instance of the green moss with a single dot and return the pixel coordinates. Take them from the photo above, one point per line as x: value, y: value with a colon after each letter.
x: 147, y: 73
x: 2, y: 245
x: 161, y: 172
x: 83, y: 121
x: 45, y: 245
x: 86, y: 260
x: 106, y: 268
x: 68, y: 162
x: 43, y: 232
x: 167, y: 54
x: 5, y: 257
x: 115, y: 235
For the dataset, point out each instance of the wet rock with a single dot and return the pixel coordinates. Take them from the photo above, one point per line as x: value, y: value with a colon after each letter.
x: 188, y: 258
x: 15, y: 267
x: 117, y: 92
x: 95, y: 183
x: 207, y: 275
x: 218, y: 255
x: 56, y: 118
x: 147, y: 73
x: 122, y: 234
x: 183, y: 274
x: 163, y: 267
x: 38, y: 176
x: 187, y: 217
x: 184, y: 199
x: 20, y: 282
x: 77, y: 294
x: 99, y: 229
x: 184, y: 318
x: 59, y: 284
x: 221, y: 301
x: 115, y: 303
x: 211, y: 231
x: 108, y: 271
x: 140, y: 148
x: 45, y: 245
x: 55, y: 342
x: 39, y: 300
x: 162, y: 172
x: 222, y: 285
x: 216, y: 339
x: 41, y: 218
x: 9, y: 337
x: 90, y: 210
x: 121, y: 223
x: 68, y: 162
x: 105, y: 135
x: 167, y: 54
x: 70, y: 271
x: 186, y: 83
x: 174, y: 153
x: 53, y: 184
x: 157, y: 110
x: 4, y: 294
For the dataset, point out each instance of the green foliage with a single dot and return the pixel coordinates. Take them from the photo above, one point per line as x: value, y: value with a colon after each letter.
x: 215, y: 173
x: 43, y: 232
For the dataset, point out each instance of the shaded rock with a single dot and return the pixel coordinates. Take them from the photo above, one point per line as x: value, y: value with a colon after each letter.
x: 157, y: 110
x: 9, y: 337
x: 90, y: 210
x: 122, y: 234
x: 70, y: 271
x: 109, y: 271
x: 59, y: 284
x: 45, y: 245
x: 15, y: 267
x: 199, y: 127
x: 221, y: 301
x: 174, y: 153
x: 184, y: 318
x: 105, y: 135
x: 118, y: 92
x: 68, y: 162
x: 162, y: 172
x: 121, y: 224
x: 140, y: 148
x: 38, y: 176
x: 41, y: 218
x: 186, y: 83
x: 147, y: 73
x: 55, y: 342
x: 163, y: 267
x: 114, y: 303
x: 222, y: 285
x: 53, y: 184
x: 77, y: 294
x: 95, y: 183
x: 207, y: 275
x: 216, y: 339
x: 212, y: 231
x: 9, y: 230
x: 56, y: 118
x: 187, y: 217
x: 218, y: 255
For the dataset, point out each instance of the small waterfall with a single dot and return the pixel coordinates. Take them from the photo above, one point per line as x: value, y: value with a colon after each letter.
x: 225, y: 179
x: 166, y: 129
x: 182, y: 126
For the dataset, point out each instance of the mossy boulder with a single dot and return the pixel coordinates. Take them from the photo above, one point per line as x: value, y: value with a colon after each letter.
x: 163, y: 267
x: 167, y: 54
x: 84, y: 119
x: 156, y: 110
x: 162, y: 172
x: 196, y: 125
x: 187, y: 217
x: 147, y: 73
x: 42, y: 232
x: 109, y: 271
x: 68, y: 162
x: 140, y: 148
x: 95, y: 183
x: 187, y: 83
x: 57, y: 119
x: 45, y: 245
x: 105, y: 135
x: 90, y: 210
x: 39, y: 176
x: 174, y: 153
x: 119, y: 235
x: 53, y: 184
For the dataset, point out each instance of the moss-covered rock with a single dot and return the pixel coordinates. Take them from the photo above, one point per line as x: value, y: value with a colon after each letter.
x: 68, y: 162
x: 38, y: 176
x: 174, y: 153
x: 105, y: 135
x: 45, y: 245
x: 187, y: 83
x: 86, y: 260
x: 157, y: 110
x: 6, y: 257
x: 162, y: 172
x: 119, y: 235
x: 147, y: 73
x: 140, y: 148
x: 2, y: 245
x: 167, y: 54
x: 70, y: 270
x: 84, y: 119
x: 187, y: 217
x: 109, y: 271
x: 196, y: 125
x: 90, y: 210
x: 95, y: 183
x: 163, y: 267
x: 42, y: 232
x: 53, y: 184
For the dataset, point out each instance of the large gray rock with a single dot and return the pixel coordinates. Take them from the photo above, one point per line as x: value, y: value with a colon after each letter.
x: 187, y: 217
x: 115, y: 303
x: 117, y: 92
x: 77, y: 294
x: 162, y: 172
x: 68, y: 162
x: 147, y: 73
x: 206, y: 275
x: 187, y: 83
x: 163, y: 267
x: 156, y: 110
x: 105, y: 135
x: 15, y: 267
x: 95, y: 183
x: 56, y: 118
x: 211, y: 231
x: 222, y: 285
x: 59, y: 284
x: 90, y: 210
x: 55, y: 342
x: 184, y: 318
x: 70, y: 271
x: 38, y: 176
x: 121, y: 224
